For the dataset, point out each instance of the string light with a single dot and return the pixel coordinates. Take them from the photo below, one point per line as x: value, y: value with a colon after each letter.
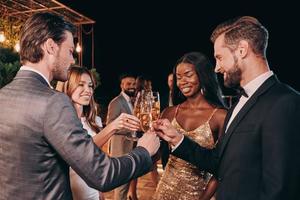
x: 78, y: 48
x: 2, y: 37
x: 17, y: 47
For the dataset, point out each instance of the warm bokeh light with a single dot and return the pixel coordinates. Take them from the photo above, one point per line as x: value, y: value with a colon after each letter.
x: 2, y: 37
x: 17, y: 47
x: 78, y: 48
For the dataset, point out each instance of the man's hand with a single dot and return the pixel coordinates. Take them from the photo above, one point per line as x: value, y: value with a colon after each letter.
x: 149, y: 141
x: 166, y: 131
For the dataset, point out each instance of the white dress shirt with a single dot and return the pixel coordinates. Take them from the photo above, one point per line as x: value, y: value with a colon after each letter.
x: 250, y: 88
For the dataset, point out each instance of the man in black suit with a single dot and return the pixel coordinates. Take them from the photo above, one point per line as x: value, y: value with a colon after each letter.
x: 257, y: 156
x: 40, y: 132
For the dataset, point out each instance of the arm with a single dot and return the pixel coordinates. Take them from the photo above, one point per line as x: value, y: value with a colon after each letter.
x: 124, y: 122
x: 64, y: 132
x: 188, y: 150
x: 210, y: 189
x: 280, y: 150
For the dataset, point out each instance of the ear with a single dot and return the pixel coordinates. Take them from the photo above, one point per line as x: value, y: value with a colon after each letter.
x: 243, y: 48
x: 50, y: 46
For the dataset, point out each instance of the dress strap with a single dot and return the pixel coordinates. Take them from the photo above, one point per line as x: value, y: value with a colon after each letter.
x: 177, y: 107
x: 212, y: 114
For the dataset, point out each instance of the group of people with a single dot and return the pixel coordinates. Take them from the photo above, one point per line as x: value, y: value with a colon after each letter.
x: 249, y: 151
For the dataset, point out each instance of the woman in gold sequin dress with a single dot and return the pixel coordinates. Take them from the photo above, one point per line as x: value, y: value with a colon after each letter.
x: 199, y: 113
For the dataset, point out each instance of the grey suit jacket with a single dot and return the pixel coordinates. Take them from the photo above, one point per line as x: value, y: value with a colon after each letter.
x: 41, y: 136
x: 119, y: 145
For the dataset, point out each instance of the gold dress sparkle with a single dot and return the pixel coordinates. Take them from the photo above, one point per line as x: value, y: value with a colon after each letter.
x: 182, y: 180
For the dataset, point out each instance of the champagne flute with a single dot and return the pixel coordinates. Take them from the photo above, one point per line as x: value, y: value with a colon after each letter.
x: 146, y: 111
x: 136, y: 112
x: 155, y: 106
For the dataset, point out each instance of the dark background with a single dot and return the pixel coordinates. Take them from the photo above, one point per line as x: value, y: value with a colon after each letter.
x: 147, y: 37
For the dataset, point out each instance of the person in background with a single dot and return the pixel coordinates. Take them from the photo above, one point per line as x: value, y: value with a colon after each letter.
x: 198, y: 113
x: 170, y: 85
x: 257, y: 156
x: 142, y: 83
x: 119, y: 145
x: 41, y: 135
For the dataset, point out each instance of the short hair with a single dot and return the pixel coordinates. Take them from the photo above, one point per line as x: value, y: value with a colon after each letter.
x: 243, y: 28
x: 37, y: 29
x: 128, y: 75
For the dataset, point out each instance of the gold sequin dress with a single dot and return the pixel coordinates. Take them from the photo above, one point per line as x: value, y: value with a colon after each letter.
x: 182, y: 180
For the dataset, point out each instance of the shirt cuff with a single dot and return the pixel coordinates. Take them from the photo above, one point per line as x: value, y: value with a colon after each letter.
x: 173, y: 148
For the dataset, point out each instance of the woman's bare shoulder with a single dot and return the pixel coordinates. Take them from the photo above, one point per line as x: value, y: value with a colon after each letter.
x: 220, y: 115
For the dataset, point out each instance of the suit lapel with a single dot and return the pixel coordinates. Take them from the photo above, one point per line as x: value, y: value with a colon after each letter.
x: 125, y: 104
x: 241, y: 114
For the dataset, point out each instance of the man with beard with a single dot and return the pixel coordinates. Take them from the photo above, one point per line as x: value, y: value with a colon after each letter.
x: 118, y: 144
x: 40, y: 132
x: 257, y: 157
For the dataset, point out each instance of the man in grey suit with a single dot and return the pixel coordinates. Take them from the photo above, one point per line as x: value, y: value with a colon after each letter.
x: 40, y: 133
x: 119, y: 145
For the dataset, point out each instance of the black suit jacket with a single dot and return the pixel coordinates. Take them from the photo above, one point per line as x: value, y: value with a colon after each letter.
x: 41, y: 135
x: 259, y: 156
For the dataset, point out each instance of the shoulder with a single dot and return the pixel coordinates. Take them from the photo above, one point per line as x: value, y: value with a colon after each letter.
x: 219, y: 116
x: 116, y: 100
x: 169, y: 112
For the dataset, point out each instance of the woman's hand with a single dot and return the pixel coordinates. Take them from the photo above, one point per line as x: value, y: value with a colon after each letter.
x: 126, y: 122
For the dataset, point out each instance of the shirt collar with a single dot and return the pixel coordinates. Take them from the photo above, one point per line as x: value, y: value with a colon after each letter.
x: 253, y: 85
x: 125, y: 96
x: 36, y: 71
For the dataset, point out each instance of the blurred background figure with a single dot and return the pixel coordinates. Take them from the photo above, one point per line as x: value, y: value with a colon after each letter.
x: 170, y: 85
x: 142, y: 84
x: 118, y: 144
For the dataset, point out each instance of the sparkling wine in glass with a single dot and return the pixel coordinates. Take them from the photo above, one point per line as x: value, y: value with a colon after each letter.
x: 155, y: 112
x: 136, y: 112
x: 146, y: 112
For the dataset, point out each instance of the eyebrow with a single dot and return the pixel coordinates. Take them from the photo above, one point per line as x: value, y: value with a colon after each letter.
x: 186, y: 72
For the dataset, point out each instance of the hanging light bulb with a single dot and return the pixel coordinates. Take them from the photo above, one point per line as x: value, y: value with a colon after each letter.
x: 2, y: 36
x: 17, y: 47
x: 78, y: 48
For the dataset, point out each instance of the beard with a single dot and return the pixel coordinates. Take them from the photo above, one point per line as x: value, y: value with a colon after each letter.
x: 60, y: 71
x: 234, y: 75
x: 130, y: 92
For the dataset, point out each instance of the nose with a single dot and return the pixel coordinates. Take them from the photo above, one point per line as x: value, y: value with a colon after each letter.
x: 217, y: 68
x: 88, y: 89
x: 72, y: 60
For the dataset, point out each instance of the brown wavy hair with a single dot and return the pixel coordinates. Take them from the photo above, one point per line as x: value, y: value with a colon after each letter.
x: 89, y: 111
x: 37, y: 29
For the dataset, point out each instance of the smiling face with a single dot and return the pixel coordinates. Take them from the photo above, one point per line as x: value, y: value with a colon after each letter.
x: 128, y: 86
x: 84, y: 91
x: 187, y: 79
x: 227, y: 63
